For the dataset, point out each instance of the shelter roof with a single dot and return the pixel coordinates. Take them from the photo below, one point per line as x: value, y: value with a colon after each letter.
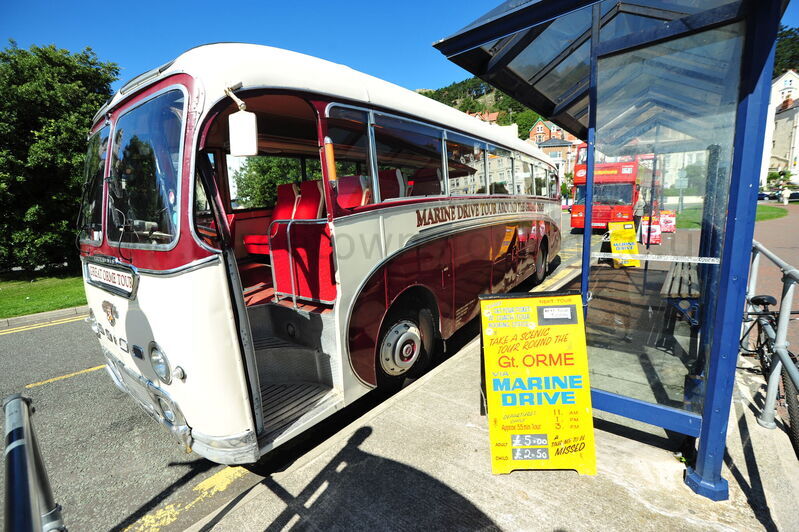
x: 538, y: 51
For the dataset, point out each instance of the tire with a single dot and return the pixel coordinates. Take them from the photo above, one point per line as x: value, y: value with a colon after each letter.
x: 763, y: 354
x: 408, y: 340
x: 792, y: 402
x: 541, y: 263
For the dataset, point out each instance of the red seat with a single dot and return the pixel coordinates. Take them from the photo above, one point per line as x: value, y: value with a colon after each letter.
x: 391, y: 184
x: 310, y: 205
x: 285, y: 205
x: 427, y: 182
x: 352, y: 191
x: 311, y: 251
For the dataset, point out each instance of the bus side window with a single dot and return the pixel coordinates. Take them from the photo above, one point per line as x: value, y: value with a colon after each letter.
x: 347, y: 130
x: 554, y: 188
x: 204, y: 223
x: 523, y: 170
x: 466, y: 160
x: 541, y: 185
x: 500, y: 171
x: 408, y: 158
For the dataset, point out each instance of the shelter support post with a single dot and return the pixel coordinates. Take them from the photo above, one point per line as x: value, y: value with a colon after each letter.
x: 589, y: 166
x: 758, y: 59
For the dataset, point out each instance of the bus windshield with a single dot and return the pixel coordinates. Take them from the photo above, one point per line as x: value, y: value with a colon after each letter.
x: 601, y: 158
x: 143, y: 185
x: 607, y: 194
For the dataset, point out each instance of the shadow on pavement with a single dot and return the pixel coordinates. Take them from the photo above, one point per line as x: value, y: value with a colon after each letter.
x: 753, y: 489
x: 357, y: 489
x: 196, y: 467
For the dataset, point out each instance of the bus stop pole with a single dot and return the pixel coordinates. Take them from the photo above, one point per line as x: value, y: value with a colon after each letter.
x: 757, y: 63
x: 589, y: 163
x: 29, y: 504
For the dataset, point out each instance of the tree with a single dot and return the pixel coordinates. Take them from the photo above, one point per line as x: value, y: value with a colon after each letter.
x: 525, y: 120
x: 470, y: 105
x: 47, y: 99
x: 258, y: 178
x: 786, y: 56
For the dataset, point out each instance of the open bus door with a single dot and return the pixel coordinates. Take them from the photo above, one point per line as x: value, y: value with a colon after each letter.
x: 160, y: 296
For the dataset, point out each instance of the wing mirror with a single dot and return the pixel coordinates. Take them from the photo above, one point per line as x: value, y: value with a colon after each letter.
x: 242, y: 128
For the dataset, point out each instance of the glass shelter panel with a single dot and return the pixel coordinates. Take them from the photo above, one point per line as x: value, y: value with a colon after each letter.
x: 668, y: 166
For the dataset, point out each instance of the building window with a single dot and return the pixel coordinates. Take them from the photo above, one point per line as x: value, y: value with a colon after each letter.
x: 539, y: 129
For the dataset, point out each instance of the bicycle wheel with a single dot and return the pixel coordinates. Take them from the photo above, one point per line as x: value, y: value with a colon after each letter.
x: 792, y: 402
x: 763, y: 351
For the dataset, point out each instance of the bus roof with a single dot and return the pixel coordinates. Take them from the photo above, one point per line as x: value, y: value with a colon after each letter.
x: 221, y: 65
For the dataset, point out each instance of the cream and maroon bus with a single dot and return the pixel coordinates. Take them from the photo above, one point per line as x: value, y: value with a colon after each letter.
x: 267, y: 236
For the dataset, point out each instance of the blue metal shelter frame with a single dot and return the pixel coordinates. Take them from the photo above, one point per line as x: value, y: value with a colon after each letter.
x: 488, y: 48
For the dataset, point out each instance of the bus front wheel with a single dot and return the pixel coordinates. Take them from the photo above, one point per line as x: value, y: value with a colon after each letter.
x: 406, y: 346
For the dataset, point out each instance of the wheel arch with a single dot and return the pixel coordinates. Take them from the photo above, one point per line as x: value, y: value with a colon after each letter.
x: 417, y: 293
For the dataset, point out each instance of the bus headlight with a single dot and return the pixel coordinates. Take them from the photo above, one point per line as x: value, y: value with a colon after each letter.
x: 160, y: 363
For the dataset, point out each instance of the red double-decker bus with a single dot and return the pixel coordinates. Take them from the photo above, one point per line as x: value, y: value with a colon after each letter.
x: 615, y: 189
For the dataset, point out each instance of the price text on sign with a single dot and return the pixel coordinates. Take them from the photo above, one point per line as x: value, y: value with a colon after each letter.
x: 537, y: 389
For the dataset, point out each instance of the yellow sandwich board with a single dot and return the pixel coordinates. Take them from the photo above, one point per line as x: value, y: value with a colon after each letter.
x: 623, y: 241
x: 536, y: 382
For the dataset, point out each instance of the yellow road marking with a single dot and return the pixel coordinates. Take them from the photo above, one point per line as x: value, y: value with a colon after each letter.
x: 48, y: 381
x: 216, y: 483
x: 23, y: 328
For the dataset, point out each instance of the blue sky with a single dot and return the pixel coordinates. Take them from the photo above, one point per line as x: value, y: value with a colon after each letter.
x: 390, y: 40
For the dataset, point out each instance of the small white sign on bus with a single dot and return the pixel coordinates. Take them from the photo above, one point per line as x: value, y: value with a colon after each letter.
x: 114, y: 278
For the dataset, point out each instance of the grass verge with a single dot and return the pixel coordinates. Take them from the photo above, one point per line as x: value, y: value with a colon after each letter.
x: 691, y: 218
x: 23, y: 293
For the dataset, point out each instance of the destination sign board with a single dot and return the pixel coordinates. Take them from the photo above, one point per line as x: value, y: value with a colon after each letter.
x: 536, y: 380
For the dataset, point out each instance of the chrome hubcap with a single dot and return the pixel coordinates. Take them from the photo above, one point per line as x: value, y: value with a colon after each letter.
x: 400, y: 348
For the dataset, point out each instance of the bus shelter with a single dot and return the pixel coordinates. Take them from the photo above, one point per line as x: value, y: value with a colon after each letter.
x: 681, y: 87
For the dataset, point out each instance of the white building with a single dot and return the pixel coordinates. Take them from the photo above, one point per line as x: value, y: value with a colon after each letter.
x: 781, y: 141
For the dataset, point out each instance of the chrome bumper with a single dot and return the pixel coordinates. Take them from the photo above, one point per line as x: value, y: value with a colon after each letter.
x: 233, y: 449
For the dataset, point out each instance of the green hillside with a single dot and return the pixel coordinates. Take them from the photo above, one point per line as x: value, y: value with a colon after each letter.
x: 476, y: 96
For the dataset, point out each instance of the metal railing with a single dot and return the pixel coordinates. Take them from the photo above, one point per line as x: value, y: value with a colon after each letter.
x: 29, y: 504
x: 778, y: 338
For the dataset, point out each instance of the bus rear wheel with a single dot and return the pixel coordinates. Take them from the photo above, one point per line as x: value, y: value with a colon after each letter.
x: 541, y: 263
x: 407, y: 343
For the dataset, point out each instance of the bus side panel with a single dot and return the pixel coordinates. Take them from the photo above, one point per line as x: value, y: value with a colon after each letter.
x: 472, y: 265
x: 365, y: 326
x: 429, y: 266
x: 379, y: 256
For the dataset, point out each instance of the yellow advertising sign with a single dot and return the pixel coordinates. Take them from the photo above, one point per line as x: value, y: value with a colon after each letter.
x: 536, y: 380
x: 623, y: 241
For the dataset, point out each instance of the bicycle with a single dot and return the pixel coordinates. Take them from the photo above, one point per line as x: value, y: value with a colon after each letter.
x: 767, y: 325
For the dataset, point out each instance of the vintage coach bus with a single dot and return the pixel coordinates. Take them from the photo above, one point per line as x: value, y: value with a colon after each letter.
x: 240, y: 300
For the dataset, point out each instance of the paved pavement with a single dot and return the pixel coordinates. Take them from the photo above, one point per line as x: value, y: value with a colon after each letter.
x: 420, y: 461
x: 781, y: 236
